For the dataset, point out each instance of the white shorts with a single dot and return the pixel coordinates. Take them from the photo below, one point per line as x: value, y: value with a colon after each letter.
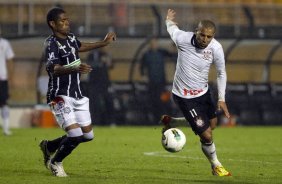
x: 68, y: 111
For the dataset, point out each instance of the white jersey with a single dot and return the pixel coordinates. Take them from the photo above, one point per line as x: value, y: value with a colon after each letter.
x: 6, y: 53
x: 193, y: 65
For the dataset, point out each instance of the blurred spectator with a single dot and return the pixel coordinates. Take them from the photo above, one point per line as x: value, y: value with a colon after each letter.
x: 153, y: 67
x: 6, y: 62
x: 99, y: 86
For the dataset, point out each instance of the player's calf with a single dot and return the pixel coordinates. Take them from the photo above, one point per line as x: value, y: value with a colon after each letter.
x: 46, y: 153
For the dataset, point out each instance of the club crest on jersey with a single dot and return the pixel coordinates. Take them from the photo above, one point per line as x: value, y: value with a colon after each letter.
x: 199, y: 122
x: 207, y: 54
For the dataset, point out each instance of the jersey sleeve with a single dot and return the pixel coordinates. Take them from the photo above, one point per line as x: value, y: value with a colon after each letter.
x: 9, y: 52
x: 78, y: 43
x: 173, y: 30
x: 221, y: 73
x: 178, y: 36
x: 52, y: 53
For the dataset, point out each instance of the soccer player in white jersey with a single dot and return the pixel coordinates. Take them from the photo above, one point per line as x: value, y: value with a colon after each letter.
x: 6, y: 66
x: 65, y: 96
x: 196, y: 52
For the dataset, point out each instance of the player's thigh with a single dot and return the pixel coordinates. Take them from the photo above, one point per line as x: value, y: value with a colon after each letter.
x: 194, y: 112
x: 4, y: 94
x: 197, y: 119
x: 213, y: 123
x: 210, y: 106
x: 63, y: 111
x: 82, y: 113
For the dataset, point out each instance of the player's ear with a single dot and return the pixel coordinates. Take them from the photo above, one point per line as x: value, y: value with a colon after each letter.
x: 213, y: 32
x: 52, y: 24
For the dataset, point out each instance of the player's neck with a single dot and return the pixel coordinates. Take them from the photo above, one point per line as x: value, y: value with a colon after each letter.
x: 59, y: 35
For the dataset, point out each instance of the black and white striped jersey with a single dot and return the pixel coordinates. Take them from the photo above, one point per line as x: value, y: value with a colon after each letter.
x: 65, y: 53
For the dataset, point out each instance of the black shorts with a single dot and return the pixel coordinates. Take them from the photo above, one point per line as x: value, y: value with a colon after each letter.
x: 197, y: 111
x: 4, y: 92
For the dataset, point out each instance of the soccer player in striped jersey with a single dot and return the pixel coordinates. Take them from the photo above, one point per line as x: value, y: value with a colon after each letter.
x: 64, y: 96
x: 196, y: 52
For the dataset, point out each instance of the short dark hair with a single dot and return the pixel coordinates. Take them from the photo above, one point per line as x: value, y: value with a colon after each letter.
x: 207, y: 24
x: 53, y: 14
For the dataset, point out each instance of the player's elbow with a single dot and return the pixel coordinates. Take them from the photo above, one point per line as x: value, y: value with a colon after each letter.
x: 221, y: 73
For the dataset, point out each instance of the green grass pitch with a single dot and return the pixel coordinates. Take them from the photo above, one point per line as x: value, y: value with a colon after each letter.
x: 133, y: 155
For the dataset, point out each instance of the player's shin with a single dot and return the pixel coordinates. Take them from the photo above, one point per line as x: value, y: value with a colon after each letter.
x: 5, y: 117
x: 66, y: 147
x: 210, y: 152
x: 53, y: 145
x: 68, y: 144
x: 176, y: 122
x: 172, y: 121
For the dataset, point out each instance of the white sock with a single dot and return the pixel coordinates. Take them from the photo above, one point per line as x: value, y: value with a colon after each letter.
x: 175, y: 122
x: 210, y: 151
x: 5, y: 117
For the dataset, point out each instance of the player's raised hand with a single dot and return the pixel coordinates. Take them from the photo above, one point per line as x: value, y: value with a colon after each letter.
x: 223, y: 107
x: 110, y: 37
x: 84, y: 68
x: 171, y: 15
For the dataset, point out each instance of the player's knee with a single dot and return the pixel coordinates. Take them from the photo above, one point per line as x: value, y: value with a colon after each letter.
x: 206, y: 137
x: 213, y: 123
x: 89, y: 136
x: 75, y: 141
x: 75, y: 133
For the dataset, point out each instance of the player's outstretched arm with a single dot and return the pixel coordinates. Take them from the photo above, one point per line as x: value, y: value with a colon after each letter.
x: 171, y: 25
x: 171, y: 15
x: 88, y: 46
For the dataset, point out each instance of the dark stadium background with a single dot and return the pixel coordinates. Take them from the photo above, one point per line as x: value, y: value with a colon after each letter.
x: 249, y: 30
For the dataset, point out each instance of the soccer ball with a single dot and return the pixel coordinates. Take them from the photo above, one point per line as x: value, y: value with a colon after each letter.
x: 173, y: 140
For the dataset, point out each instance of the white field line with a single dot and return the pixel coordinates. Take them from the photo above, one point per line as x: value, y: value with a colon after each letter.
x: 171, y: 155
